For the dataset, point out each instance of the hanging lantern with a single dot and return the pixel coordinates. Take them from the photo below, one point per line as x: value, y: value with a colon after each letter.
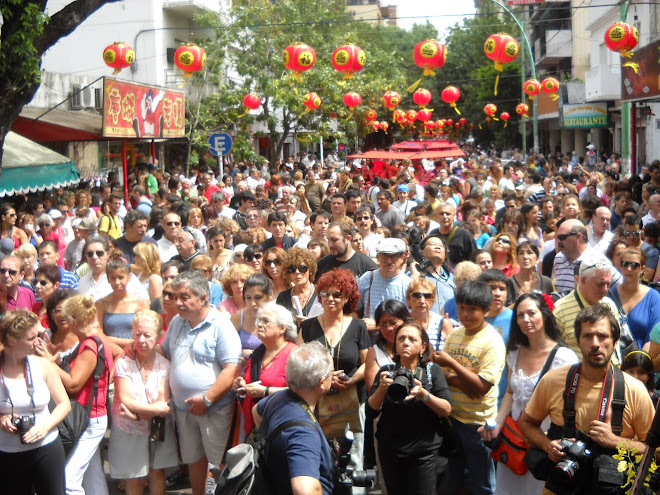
x: 422, y: 97
x: 490, y: 109
x: 489, y: 119
x: 376, y: 125
x: 384, y: 126
x: 505, y: 117
x: 118, y: 56
x: 532, y: 87
x: 424, y: 115
x: 250, y: 102
x: 392, y: 99
x: 428, y: 55
x: 450, y: 95
x: 190, y: 58
x: 522, y: 109
x: 398, y: 115
x: 298, y: 58
x: 440, y: 123
x: 449, y: 122
x: 429, y: 126
x: 371, y: 115
x: 462, y: 121
x: 411, y: 115
x: 352, y: 100
x: 622, y: 38
x: 501, y: 49
x: 550, y: 85
x: 457, y: 125
x: 349, y: 59
x: 312, y: 101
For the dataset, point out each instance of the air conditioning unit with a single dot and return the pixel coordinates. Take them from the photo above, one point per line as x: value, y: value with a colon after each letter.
x: 98, y: 98
x: 170, y: 55
x: 76, y: 98
x: 87, y: 97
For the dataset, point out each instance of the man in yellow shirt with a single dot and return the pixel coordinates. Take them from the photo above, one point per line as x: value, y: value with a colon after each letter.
x: 111, y: 224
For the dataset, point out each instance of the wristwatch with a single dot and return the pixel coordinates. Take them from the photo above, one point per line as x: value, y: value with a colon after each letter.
x: 207, y: 402
x: 427, y: 397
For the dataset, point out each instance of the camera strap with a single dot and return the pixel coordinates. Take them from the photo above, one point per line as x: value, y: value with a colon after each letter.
x: 28, y: 382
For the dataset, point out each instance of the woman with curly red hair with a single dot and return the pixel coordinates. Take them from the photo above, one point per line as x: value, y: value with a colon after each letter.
x: 344, y: 336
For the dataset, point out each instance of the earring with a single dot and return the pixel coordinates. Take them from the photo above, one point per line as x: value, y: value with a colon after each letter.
x: 421, y: 355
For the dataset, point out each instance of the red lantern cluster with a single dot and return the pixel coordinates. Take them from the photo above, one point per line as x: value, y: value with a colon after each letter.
x: 501, y: 49
x: 352, y: 100
x: 349, y: 59
x: 392, y: 99
x: 450, y: 95
x: 522, y: 109
x: 532, y: 87
x: 118, y: 56
x: 312, y: 101
x: 422, y: 97
x: 298, y: 58
x: 190, y: 58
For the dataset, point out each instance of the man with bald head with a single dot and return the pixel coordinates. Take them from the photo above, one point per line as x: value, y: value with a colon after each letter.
x: 185, y: 246
x: 572, y: 246
x: 654, y: 210
x: 600, y: 235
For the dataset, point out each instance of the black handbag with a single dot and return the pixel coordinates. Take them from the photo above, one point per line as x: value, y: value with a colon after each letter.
x: 76, y: 421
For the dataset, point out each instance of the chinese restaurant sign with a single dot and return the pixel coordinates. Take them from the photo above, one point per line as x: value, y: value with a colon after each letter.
x: 585, y: 116
x: 133, y: 110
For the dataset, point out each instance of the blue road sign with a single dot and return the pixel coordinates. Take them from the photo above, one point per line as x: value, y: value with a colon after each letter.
x: 220, y: 143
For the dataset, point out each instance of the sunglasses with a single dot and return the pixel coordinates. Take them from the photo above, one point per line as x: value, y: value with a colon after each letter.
x: 90, y: 254
x: 419, y: 295
x: 563, y: 237
x: 173, y: 224
x: 504, y: 240
x: 635, y: 233
x: 4, y: 271
x: 300, y: 268
x: 360, y: 219
x: 633, y: 265
x: 43, y: 283
x: 255, y: 256
x: 274, y: 262
x: 168, y: 295
x: 335, y: 294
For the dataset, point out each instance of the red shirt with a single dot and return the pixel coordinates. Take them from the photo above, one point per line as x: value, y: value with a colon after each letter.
x: 210, y: 190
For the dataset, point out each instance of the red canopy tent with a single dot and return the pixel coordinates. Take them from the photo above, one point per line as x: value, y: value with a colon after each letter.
x: 425, y: 145
x: 412, y: 155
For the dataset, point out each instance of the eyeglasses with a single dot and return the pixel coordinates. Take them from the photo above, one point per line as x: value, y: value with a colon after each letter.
x: 274, y: 262
x: 563, y: 237
x: 504, y: 240
x: 168, y: 295
x: 90, y: 254
x: 335, y: 294
x: 43, y: 283
x: 419, y: 295
x: 633, y: 265
x: 254, y: 298
x: 4, y: 271
x: 263, y: 322
x: 299, y: 268
x: 634, y: 233
x: 251, y: 257
x: 173, y: 224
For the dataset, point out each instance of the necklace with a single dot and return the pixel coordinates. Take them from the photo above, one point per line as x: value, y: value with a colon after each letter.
x: 327, y: 344
x: 305, y: 296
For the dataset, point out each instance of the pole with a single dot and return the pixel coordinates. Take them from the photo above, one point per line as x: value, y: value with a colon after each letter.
x: 321, y: 143
x: 535, y: 105
x: 626, y: 162
x: 125, y: 164
x: 523, y: 95
x: 633, y: 140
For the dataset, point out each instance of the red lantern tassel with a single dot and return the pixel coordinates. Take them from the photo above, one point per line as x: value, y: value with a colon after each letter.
x: 506, y: 123
x: 633, y: 66
x: 497, y: 81
x: 414, y: 85
x: 453, y: 105
x: 554, y: 96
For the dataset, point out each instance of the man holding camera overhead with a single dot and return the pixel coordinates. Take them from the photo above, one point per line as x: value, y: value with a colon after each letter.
x: 584, y: 404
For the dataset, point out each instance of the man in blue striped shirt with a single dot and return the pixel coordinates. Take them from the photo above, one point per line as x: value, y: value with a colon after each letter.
x: 572, y: 246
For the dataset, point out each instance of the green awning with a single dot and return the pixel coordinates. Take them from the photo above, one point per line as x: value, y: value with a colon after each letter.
x: 28, y: 167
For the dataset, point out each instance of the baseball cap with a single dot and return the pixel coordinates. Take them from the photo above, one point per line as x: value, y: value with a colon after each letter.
x: 54, y: 214
x: 591, y: 147
x: 403, y: 188
x: 86, y: 224
x: 391, y: 245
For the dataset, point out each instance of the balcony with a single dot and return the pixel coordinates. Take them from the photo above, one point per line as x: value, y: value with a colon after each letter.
x: 556, y: 45
x: 603, y: 83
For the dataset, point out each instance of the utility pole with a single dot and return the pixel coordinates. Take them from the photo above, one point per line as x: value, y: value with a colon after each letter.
x: 626, y: 136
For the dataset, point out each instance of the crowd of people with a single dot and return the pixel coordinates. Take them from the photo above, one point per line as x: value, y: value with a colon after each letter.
x: 417, y: 303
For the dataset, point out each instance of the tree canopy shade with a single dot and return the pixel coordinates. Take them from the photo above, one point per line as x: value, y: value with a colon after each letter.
x: 27, y: 32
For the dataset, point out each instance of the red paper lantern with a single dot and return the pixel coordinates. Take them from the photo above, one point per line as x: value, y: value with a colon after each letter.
x: 463, y: 121
x: 449, y: 122
x: 384, y: 126
x: 298, y: 58
x: 376, y: 125
x: 489, y: 119
x: 349, y: 59
x: 457, y: 125
x: 550, y: 85
x: 532, y: 87
x: 190, y: 58
x: 429, y: 55
x: 422, y: 97
x: 424, y: 115
x: 352, y: 100
x: 392, y: 99
x: 440, y: 123
x: 450, y: 95
x: 501, y: 49
x: 622, y: 37
x: 411, y: 115
x: 490, y: 109
x: 429, y: 125
x: 118, y: 56
x: 312, y: 101
x: 522, y: 109
x: 505, y: 117
x: 371, y: 115
x: 398, y: 115
x: 251, y: 101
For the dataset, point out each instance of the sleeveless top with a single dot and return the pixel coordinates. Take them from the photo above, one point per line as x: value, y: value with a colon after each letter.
x: 382, y: 358
x: 10, y: 235
x: 248, y: 339
x: 119, y: 325
x: 11, y: 442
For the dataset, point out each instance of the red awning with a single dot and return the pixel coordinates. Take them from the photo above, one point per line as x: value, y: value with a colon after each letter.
x: 383, y: 155
x: 424, y: 145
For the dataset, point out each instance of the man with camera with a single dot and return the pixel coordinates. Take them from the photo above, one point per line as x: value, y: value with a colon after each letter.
x: 298, y: 459
x: 589, y: 419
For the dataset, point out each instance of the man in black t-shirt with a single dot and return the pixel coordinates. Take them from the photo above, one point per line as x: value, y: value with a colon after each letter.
x: 342, y: 254
x: 136, y: 224
x: 460, y: 242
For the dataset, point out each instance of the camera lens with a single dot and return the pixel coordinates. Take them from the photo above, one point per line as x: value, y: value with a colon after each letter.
x: 568, y: 468
x: 399, y: 389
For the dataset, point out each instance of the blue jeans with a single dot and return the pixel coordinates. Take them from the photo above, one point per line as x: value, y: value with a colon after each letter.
x: 472, y: 469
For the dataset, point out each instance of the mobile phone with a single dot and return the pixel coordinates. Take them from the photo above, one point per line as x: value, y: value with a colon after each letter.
x: 344, y: 377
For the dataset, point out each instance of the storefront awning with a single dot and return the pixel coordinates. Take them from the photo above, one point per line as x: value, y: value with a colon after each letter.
x: 28, y: 167
x: 412, y: 155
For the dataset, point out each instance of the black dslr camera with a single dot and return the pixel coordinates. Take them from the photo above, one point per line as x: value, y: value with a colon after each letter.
x: 157, y: 429
x: 403, y: 382
x: 345, y: 476
x: 23, y: 425
x: 576, y: 453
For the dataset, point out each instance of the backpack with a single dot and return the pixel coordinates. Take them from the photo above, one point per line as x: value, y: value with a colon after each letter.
x: 245, y: 473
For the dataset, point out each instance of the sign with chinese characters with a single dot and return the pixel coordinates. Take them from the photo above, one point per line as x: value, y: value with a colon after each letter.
x: 132, y: 110
x: 646, y: 83
x: 585, y: 116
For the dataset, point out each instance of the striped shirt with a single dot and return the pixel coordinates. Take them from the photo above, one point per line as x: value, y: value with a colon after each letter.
x: 483, y: 353
x: 563, y: 270
x: 373, y: 292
